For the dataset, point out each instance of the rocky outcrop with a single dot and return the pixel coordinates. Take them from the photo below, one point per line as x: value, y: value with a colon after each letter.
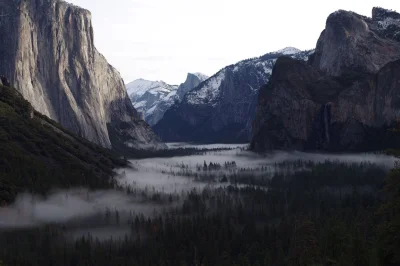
x: 153, y: 98
x: 346, y: 98
x: 222, y: 108
x: 353, y: 43
x: 47, y: 50
x: 192, y: 81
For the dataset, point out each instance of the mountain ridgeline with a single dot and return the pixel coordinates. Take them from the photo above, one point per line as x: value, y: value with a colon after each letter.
x: 222, y: 108
x: 63, y: 203
x: 153, y: 98
x: 347, y: 97
x: 47, y: 51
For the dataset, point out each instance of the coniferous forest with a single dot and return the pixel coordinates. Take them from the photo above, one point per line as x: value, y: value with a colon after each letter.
x: 329, y: 214
x: 301, y: 213
x: 314, y: 182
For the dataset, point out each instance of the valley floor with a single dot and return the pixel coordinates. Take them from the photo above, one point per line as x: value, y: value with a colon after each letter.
x: 220, y: 205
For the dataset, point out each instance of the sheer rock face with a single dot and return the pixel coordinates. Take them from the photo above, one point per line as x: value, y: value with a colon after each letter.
x: 192, y: 81
x: 351, y: 42
x: 47, y: 50
x: 343, y: 99
x: 222, y: 108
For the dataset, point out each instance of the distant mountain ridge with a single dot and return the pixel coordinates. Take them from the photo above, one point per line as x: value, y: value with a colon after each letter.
x: 192, y: 81
x: 153, y: 98
x: 222, y: 108
x: 141, y: 86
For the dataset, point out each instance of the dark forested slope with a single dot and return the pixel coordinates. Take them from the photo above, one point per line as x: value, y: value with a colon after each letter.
x: 37, y: 154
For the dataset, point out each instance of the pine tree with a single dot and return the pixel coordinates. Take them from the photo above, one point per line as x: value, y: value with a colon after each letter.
x: 389, y: 229
x: 305, y: 250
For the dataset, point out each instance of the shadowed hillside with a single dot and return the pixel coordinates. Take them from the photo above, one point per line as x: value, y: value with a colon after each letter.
x: 37, y: 154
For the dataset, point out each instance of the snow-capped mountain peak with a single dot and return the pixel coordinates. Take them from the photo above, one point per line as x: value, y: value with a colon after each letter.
x: 288, y: 51
x: 261, y: 67
x: 141, y: 86
x: 223, y: 107
x: 153, y: 98
x: 201, y: 76
x: 191, y: 82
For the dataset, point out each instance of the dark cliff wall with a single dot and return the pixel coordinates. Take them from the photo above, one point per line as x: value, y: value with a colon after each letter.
x: 345, y: 98
x: 222, y: 108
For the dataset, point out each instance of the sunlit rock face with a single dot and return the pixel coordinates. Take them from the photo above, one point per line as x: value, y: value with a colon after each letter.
x: 47, y: 51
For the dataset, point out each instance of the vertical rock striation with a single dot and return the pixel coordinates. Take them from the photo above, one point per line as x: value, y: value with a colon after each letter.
x: 354, y: 43
x: 222, y: 108
x: 192, y: 81
x: 47, y: 51
x: 347, y: 97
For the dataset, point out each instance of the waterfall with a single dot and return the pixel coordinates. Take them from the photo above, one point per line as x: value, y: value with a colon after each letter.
x: 326, y: 122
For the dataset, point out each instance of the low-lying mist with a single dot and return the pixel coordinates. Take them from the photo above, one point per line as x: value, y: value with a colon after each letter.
x: 185, y: 173
x: 156, y: 185
x: 69, y: 205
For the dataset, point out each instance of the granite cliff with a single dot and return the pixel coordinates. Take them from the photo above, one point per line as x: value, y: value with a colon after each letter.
x: 222, y: 108
x: 347, y: 97
x: 39, y: 155
x: 353, y: 43
x: 153, y: 98
x: 47, y: 51
x: 192, y: 81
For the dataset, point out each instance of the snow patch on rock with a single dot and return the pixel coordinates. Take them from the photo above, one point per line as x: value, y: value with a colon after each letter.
x: 288, y: 51
x: 387, y: 22
x: 209, y: 92
x: 201, y: 76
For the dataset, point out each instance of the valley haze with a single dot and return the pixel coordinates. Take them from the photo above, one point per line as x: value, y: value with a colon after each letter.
x: 290, y: 157
x: 166, y: 176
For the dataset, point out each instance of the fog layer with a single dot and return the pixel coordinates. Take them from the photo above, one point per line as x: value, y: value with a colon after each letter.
x: 183, y: 173
x: 68, y: 205
x: 166, y: 177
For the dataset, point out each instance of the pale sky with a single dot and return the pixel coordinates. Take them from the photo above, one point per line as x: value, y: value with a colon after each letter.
x: 166, y: 39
